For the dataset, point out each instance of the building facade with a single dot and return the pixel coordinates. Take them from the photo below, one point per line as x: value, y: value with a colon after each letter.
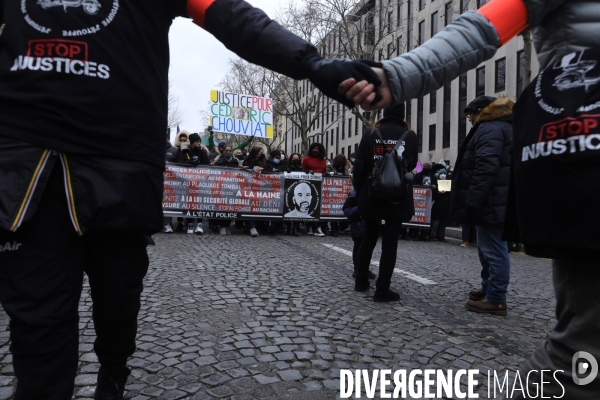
x: 437, y: 118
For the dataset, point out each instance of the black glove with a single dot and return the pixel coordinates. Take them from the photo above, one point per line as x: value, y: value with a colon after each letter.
x: 471, y: 214
x: 327, y: 74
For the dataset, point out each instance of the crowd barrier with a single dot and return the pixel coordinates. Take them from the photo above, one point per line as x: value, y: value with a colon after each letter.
x: 230, y: 193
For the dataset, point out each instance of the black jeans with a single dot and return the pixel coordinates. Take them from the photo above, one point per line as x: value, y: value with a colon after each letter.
x: 389, y: 246
x: 356, y: 250
x: 40, y: 287
x: 576, y: 286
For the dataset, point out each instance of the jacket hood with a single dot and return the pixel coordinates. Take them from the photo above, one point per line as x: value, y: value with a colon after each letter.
x: 501, y: 108
x: 177, y: 142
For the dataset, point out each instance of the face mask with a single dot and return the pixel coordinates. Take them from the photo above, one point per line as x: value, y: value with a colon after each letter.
x: 315, y: 153
x: 353, y: 159
x: 261, y: 156
x: 296, y: 162
x: 328, y: 163
x: 276, y: 161
x: 228, y: 156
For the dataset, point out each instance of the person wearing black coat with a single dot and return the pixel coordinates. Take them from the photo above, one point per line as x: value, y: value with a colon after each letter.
x: 373, y: 210
x: 479, y: 195
x: 439, y: 210
x: 274, y: 163
x: 193, y: 154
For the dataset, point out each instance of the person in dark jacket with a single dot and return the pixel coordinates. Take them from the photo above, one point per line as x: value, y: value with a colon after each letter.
x: 193, y: 153
x: 424, y: 178
x: 315, y: 162
x: 293, y: 164
x: 479, y: 195
x: 274, y: 163
x: 101, y: 195
x: 439, y: 209
x: 227, y: 159
x: 373, y: 210
x: 357, y: 229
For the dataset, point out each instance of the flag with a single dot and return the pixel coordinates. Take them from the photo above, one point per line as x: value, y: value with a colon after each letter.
x: 419, y: 167
x: 177, y: 128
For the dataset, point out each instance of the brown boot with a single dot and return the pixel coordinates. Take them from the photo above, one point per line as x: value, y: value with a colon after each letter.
x: 476, y: 295
x: 486, y: 307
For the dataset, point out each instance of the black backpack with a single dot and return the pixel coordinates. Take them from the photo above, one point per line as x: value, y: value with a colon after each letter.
x: 387, y: 179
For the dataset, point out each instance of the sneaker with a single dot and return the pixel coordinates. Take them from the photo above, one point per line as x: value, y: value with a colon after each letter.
x: 309, y: 231
x: 385, y: 297
x: 360, y: 286
x: 464, y: 244
x: 443, y: 239
x: 111, y: 383
x: 476, y: 295
x: 253, y: 232
x: 487, y: 307
x: 319, y: 232
x: 199, y: 230
x: 167, y: 229
x: 191, y: 227
x: 228, y: 231
x: 223, y: 231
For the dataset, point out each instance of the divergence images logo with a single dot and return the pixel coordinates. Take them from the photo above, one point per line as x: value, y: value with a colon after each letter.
x: 583, y: 367
x: 89, y: 6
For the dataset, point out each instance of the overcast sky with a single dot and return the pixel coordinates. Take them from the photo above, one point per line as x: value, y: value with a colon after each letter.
x: 198, y: 64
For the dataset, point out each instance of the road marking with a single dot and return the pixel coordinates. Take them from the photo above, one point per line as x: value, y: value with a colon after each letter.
x: 398, y: 271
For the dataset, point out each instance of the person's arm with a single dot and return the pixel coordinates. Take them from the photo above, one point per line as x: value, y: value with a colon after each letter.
x: 211, y: 142
x: 252, y: 35
x: 461, y: 46
x: 240, y: 146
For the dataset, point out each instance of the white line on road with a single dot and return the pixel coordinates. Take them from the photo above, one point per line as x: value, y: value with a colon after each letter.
x: 398, y: 271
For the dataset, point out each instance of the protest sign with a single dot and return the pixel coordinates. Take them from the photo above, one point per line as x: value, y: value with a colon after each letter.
x: 335, y: 192
x: 302, y: 197
x: 241, y: 114
x: 444, y: 186
x: 422, y: 196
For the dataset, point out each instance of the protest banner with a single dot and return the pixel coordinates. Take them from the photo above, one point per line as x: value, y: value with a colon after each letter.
x: 232, y: 193
x: 241, y: 114
x: 221, y: 193
x: 422, y: 196
x: 302, y: 197
x: 335, y: 192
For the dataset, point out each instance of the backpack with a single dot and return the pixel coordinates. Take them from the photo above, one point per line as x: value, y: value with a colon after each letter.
x: 387, y: 179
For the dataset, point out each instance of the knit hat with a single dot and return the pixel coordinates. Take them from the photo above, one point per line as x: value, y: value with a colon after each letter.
x: 222, y: 144
x: 397, y: 111
x: 479, y: 103
x: 194, y: 137
x: 275, y: 153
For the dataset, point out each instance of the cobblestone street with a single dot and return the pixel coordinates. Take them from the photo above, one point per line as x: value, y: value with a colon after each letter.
x: 276, y: 317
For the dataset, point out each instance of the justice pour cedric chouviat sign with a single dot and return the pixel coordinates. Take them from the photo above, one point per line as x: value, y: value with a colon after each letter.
x: 241, y: 114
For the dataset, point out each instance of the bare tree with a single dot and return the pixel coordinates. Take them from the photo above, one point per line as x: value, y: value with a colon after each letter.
x: 175, y: 116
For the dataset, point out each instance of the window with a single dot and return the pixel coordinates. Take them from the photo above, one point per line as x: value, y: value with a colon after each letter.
x: 464, y: 6
x: 420, y: 123
x: 432, y: 134
x: 481, y: 3
x: 400, y: 13
x: 480, y: 82
x: 520, y: 71
x: 434, y: 23
x: 349, y: 150
x: 331, y: 137
x: 343, y: 148
x: 446, y: 116
x: 399, y: 45
x: 448, y: 14
x: 433, y: 101
x: 462, y: 104
x: 389, y: 22
x: 343, y: 133
x: 390, y: 49
x: 326, y: 138
x: 421, y: 4
x: 500, y: 74
x: 356, y: 126
x: 421, y: 33
x: 349, y: 127
x: 355, y: 147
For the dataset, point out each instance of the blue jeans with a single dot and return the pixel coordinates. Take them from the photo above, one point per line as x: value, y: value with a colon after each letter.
x: 493, y: 254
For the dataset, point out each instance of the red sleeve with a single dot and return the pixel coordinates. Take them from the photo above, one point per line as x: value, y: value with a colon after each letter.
x: 197, y: 10
x: 305, y: 164
x: 509, y: 17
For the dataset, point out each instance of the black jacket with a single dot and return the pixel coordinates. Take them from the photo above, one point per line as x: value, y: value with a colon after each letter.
x: 289, y: 167
x: 272, y: 167
x: 481, y: 177
x: 193, y: 156
x: 223, y: 162
x: 369, y: 207
x: 171, y: 153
